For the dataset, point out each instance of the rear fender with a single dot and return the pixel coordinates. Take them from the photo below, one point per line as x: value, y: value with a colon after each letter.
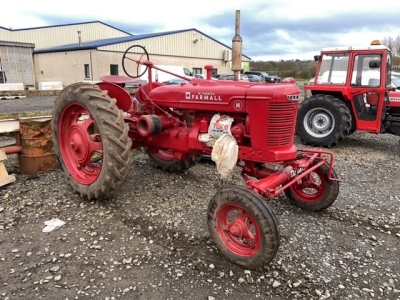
x: 123, y: 98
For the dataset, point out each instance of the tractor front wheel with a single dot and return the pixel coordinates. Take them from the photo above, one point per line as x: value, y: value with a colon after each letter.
x: 243, y: 227
x: 91, y: 140
x: 315, y: 191
x: 323, y: 121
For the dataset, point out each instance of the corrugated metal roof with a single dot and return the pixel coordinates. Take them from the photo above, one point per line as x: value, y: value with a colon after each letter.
x: 105, y: 42
x: 10, y: 43
x: 54, y: 26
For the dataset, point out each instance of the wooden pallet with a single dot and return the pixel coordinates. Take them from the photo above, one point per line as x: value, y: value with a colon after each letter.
x: 4, y: 177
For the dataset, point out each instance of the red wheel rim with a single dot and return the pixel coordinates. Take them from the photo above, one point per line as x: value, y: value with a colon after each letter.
x: 165, y: 155
x: 238, y: 230
x: 311, y: 188
x: 81, y: 148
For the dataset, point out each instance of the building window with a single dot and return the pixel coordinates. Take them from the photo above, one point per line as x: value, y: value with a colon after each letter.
x: 113, y: 69
x: 197, y: 70
x: 87, y: 71
x: 214, y: 72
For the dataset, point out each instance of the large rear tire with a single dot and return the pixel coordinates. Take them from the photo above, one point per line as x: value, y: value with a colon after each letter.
x: 243, y: 227
x: 323, y: 121
x: 315, y: 191
x: 91, y: 140
x: 166, y: 160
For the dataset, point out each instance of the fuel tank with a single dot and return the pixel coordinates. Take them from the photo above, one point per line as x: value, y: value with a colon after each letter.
x: 221, y: 95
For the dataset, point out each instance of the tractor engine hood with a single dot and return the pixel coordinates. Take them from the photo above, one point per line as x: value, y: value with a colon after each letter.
x: 221, y: 95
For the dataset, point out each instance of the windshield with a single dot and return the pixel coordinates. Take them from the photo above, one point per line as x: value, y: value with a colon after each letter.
x: 333, y: 69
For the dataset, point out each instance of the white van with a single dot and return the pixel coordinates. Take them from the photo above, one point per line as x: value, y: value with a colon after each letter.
x: 163, y: 76
x: 369, y: 78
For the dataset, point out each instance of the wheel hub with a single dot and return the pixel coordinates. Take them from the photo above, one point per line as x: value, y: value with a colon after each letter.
x: 77, y: 138
x: 238, y: 228
x: 321, y: 121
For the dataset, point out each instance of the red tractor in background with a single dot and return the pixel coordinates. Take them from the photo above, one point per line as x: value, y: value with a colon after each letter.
x: 95, y: 127
x: 353, y: 90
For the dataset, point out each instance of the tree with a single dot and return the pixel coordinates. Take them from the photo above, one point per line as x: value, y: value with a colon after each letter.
x: 394, y: 45
x: 298, y: 69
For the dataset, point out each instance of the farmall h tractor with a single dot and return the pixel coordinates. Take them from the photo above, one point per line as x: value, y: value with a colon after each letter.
x: 240, y: 124
x: 352, y: 91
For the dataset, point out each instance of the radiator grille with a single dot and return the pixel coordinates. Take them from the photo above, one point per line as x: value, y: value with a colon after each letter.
x: 281, y: 123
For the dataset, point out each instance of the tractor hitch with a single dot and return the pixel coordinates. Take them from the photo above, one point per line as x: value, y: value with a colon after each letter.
x: 276, y: 181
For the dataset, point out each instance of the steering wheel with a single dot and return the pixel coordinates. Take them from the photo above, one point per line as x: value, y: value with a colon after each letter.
x: 130, y: 54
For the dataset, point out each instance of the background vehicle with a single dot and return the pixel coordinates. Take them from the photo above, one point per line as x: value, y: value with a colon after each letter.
x: 255, y: 78
x: 274, y: 79
x: 202, y: 76
x: 218, y: 76
x: 162, y: 76
x: 225, y: 77
x: 259, y: 73
x: 313, y: 79
x: 395, y: 82
x: 240, y: 124
x: 353, y: 92
x: 244, y: 77
x: 175, y: 81
x: 288, y: 80
x: 231, y: 77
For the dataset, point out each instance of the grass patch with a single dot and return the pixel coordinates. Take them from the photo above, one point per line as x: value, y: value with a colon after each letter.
x: 28, y: 114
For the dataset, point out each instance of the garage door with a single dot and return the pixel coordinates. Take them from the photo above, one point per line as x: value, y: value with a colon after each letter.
x: 17, y: 65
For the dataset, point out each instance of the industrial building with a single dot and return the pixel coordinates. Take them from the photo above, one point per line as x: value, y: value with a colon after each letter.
x: 52, y: 57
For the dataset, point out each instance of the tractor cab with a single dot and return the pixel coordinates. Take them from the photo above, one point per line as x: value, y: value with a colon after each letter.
x: 352, y: 92
x: 361, y: 78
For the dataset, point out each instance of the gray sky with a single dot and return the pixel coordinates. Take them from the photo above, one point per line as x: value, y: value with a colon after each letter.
x: 271, y: 30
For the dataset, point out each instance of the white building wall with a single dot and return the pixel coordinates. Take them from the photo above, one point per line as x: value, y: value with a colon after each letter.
x: 191, y: 49
x: 68, y: 67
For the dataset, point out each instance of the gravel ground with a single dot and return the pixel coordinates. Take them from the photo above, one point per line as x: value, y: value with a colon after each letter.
x: 29, y: 104
x: 151, y: 240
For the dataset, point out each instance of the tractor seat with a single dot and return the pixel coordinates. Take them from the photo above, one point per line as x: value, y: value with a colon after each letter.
x: 372, y: 98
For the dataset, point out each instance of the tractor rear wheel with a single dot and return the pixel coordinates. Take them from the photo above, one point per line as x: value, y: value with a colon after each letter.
x: 91, y: 140
x: 166, y: 160
x: 323, y: 121
x: 315, y: 191
x: 243, y: 227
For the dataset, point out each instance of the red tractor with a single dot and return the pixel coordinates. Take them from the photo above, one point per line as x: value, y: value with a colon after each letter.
x: 353, y: 90
x: 95, y: 127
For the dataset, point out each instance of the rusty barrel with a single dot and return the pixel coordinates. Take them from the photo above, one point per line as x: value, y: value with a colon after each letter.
x: 37, y: 150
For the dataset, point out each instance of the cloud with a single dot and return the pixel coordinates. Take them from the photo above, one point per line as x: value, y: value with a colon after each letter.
x: 299, y: 36
x: 277, y: 30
